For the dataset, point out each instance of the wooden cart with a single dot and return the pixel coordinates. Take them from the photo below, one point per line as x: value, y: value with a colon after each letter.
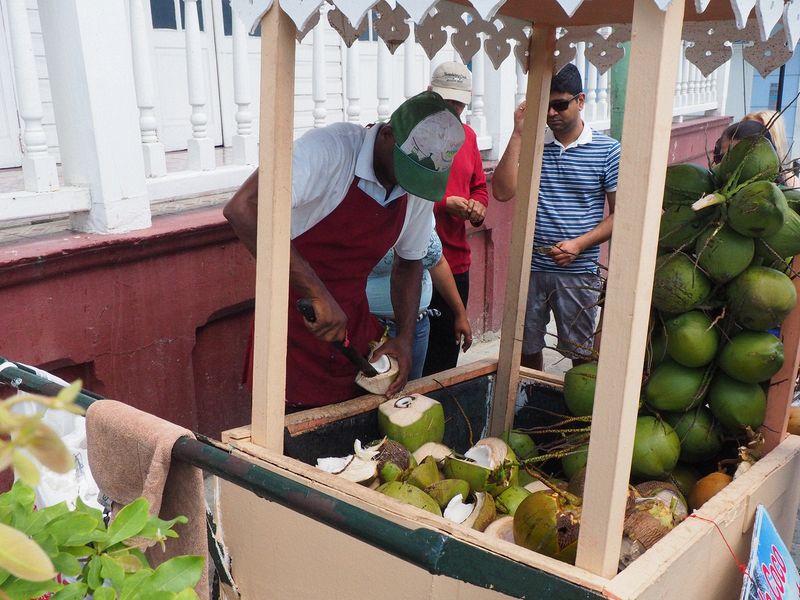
x: 281, y: 553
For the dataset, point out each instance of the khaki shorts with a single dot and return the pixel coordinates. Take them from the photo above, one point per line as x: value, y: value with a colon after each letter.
x: 572, y: 298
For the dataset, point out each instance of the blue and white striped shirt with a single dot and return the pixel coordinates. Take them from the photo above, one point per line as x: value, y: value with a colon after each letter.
x: 572, y: 195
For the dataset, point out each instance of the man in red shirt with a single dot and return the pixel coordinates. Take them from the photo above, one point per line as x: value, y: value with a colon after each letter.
x: 465, y: 199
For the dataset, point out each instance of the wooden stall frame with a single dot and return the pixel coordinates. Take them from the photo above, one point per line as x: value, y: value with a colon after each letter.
x: 655, y: 41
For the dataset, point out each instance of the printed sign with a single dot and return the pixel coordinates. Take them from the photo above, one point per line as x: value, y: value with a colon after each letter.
x: 771, y: 572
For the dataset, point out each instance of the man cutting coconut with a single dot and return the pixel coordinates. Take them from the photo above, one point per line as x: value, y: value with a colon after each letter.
x: 351, y: 202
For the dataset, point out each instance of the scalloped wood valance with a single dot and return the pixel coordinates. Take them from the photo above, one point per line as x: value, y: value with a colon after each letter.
x: 770, y: 29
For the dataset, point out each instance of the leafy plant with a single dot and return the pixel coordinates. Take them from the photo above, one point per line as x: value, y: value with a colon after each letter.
x: 107, y: 562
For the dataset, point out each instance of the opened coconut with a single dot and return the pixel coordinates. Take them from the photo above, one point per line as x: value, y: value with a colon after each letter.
x: 387, y: 368
x: 752, y: 356
x: 736, y: 404
x: 678, y: 286
x: 477, y: 512
x: 699, y: 435
x: 579, y: 384
x: 412, y: 420
x: 438, y: 451
x: 761, y: 298
x: 669, y: 495
x: 723, y: 253
x: 674, y: 387
x: 645, y: 524
x: 393, y: 460
x: 501, y: 529
x: 548, y: 523
x: 425, y: 474
x: 656, y: 448
x: 444, y: 490
x: 509, y: 499
x: 490, y: 465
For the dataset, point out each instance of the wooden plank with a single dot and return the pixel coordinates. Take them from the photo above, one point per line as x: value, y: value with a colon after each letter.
x: 540, y: 73
x: 551, y: 378
x: 781, y: 391
x: 308, y: 420
x: 274, y: 226
x: 672, y: 564
x: 655, y: 51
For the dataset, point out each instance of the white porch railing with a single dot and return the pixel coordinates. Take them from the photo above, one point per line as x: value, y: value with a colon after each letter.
x: 360, y: 84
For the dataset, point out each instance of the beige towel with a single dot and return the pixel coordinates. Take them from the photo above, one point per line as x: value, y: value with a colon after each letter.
x: 130, y: 455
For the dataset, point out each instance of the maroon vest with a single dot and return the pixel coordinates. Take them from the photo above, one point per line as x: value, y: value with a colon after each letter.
x: 342, y: 249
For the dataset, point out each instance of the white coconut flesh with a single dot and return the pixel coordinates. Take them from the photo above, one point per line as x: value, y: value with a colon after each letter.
x: 457, y: 510
x: 438, y: 451
x: 489, y: 453
x: 370, y: 452
x: 407, y: 410
x: 360, y: 467
x: 536, y: 486
x: 382, y: 364
x: 334, y: 464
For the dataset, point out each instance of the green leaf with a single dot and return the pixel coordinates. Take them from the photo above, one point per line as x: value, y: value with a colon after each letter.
x: 68, y: 394
x: 93, y: 573
x: 40, y: 518
x: 78, y: 551
x: 47, y: 447
x: 19, y: 588
x: 112, y: 571
x: 82, y: 507
x: 25, y: 469
x: 74, y: 591
x: 66, y: 564
x: 187, y: 594
x: 157, y: 529
x: 105, y: 593
x: 141, y: 556
x: 130, y: 588
x: 22, y: 557
x: 177, y: 574
x: 128, y: 522
x: 72, y: 529
x: 20, y: 494
x: 129, y: 563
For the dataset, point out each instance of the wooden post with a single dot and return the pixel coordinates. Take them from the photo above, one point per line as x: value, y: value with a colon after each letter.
x: 781, y: 391
x: 274, y: 225
x: 540, y: 73
x: 655, y: 45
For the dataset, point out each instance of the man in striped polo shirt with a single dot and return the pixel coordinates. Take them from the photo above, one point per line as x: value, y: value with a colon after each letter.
x: 579, y: 175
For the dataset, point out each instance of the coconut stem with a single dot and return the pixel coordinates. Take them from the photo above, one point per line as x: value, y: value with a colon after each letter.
x: 709, y: 200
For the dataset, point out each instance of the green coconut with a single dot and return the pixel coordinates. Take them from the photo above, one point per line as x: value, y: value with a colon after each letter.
x: 723, y: 253
x: 678, y: 286
x: 692, y: 340
x: 684, y: 477
x: 579, y: 383
x: 736, y: 404
x: 548, y: 522
x: 792, y: 196
x: 656, y: 448
x: 686, y: 183
x: 752, y: 356
x: 785, y: 242
x: 680, y: 226
x: 412, y: 420
x: 698, y: 433
x: 445, y: 489
x: 521, y: 443
x: 674, y: 387
x: 509, y: 499
x: 425, y: 474
x: 575, y: 461
x: 757, y: 210
x: 751, y: 158
x: 656, y: 350
x: 761, y: 298
x: 408, y: 494
x: 489, y: 466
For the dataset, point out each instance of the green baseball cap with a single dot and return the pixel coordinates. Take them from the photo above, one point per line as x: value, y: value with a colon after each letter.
x: 427, y: 136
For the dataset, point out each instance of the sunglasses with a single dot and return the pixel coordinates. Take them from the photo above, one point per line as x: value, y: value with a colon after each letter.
x: 562, y: 105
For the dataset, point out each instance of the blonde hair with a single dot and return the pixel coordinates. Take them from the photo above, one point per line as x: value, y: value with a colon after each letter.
x: 771, y: 119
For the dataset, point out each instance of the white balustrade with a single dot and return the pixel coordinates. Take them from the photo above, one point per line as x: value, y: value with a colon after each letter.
x: 410, y: 86
x: 353, y: 83
x: 200, y: 147
x: 245, y: 148
x: 384, y: 81
x: 319, y: 92
x: 38, y: 165
x: 522, y: 84
x: 155, y: 163
x: 478, y: 116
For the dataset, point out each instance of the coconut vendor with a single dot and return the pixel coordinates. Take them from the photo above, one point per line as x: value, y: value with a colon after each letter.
x: 356, y: 193
x: 579, y: 176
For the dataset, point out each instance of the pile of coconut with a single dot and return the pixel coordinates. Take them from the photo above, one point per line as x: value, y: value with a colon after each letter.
x: 491, y: 487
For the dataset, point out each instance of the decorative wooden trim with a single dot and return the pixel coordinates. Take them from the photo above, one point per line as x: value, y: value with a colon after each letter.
x: 274, y: 226
x: 653, y: 67
x: 530, y: 168
x: 781, y: 391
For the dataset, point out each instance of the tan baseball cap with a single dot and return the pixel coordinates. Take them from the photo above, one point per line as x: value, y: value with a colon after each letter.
x: 452, y: 81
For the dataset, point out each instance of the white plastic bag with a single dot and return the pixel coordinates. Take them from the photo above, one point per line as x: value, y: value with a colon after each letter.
x: 63, y: 487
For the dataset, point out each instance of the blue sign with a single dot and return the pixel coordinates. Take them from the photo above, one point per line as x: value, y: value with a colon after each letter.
x: 771, y: 572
